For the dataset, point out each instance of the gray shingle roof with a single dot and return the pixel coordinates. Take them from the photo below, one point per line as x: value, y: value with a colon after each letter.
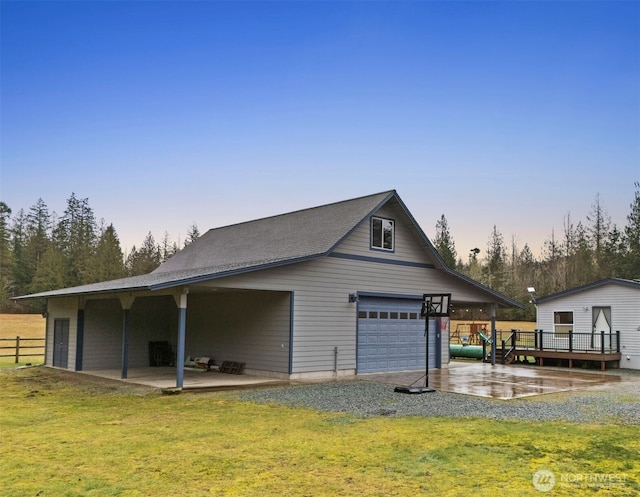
x: 267, y: 242
x: 248, y: 246
x: 288, y: 237
x: 596, y: 284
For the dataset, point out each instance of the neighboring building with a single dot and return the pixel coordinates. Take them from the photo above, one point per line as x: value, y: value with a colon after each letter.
x: 328, y: 291
x: 610, y: 306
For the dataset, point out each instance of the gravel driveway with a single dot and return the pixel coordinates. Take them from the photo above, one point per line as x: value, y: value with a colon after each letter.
x: 617, y: 403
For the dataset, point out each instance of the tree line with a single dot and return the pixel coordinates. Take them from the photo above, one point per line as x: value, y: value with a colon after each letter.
x: 40, y: 251
x: 582, y: 253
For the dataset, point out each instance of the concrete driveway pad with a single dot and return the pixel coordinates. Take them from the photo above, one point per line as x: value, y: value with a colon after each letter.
x: 499, y: 382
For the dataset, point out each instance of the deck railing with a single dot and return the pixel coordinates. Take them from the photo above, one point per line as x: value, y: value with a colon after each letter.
x: 597, y: 342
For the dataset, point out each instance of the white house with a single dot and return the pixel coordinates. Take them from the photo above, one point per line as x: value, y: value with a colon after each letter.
x: 332, y: 290
x: 610, y: 306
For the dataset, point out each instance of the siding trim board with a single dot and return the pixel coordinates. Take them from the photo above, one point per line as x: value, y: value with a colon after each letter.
x: 380, y: 260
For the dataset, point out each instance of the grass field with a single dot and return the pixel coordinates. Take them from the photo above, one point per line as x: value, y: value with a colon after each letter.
x: 70, y: 435
x: 24, y: 326
x: 66, y: 434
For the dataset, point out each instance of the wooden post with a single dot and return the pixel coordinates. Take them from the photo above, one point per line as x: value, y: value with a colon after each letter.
x: 17, y: 349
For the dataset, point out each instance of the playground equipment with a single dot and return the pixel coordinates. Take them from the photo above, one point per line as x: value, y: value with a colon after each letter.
x: 470, y: 351
x: 467, y: 351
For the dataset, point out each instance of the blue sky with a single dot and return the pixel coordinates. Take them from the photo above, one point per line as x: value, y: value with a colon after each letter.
x: 166, y: 114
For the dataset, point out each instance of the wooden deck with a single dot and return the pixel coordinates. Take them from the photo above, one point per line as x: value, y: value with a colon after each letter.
x: 603, y: 348
x: 570, y: 357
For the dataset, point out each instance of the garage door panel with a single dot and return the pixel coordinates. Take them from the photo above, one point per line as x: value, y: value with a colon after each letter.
x: 390, y: 335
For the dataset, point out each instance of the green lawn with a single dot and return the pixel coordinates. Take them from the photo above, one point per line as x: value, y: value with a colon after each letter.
x: 69, y: 435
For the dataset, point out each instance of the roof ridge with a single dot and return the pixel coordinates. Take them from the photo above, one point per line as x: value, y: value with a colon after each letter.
x: 306, y: 209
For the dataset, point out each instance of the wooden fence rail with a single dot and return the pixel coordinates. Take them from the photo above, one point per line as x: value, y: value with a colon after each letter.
x: 19, y: 347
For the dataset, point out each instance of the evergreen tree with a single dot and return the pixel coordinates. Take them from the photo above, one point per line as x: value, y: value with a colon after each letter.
x: 583, y: 260
x: 38, y: 235
x: 598, y: 230
x: 75, y: 235
x: 109, y: 258
x: 444, y: 243
x: 51, y: 273
x: 192, y: 235
x: 553, y: 267
x: 6, y: 255
x: 632, y: 235
x: 495, y: 269
x: 614, y: 253
x: 167, y: 249
x: 22, y: 271
x: 146, y: 259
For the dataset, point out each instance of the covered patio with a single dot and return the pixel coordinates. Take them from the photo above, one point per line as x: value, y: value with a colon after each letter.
x: 165, y: 378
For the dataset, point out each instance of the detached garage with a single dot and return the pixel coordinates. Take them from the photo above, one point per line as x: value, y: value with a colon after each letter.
x: 334, y: 290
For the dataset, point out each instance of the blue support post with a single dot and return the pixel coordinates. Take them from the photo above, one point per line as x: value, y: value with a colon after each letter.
x: 126, y: 315
x: 494, y: 335
x: 182, y: 333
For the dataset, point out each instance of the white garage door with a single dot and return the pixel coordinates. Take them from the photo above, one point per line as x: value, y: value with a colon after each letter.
x: 391, y: 335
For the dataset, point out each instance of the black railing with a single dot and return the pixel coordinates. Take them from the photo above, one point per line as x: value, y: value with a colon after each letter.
x: 598, y: 342
x: 509, y: 345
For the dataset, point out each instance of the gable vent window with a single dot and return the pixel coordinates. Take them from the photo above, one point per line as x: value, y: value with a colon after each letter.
x: 382, y: 233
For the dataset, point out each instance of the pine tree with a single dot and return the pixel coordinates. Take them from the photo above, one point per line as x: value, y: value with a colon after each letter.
x: 38, y: 235
x: 553, y: 267
x: 597, y: 231
x: 144, y: 260
x: 109, y: 258
x: 75, y: 235
x: 192, y: 235
x: 22, y: 271
x: 495, y: 270
x: 6, y: 255
x: 632, y: 235
x: 444, y: 243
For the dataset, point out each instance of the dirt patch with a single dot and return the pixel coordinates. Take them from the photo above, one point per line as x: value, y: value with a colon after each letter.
x: 44, y: 378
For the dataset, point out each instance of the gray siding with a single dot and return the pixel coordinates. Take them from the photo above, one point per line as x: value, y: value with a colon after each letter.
x: 407, y: 242
x: 102, y: 335
x: 151, y: 319
x: 625, y: 316
x: 323, y: 318
x: 250, y: 327
x: 64, y: 308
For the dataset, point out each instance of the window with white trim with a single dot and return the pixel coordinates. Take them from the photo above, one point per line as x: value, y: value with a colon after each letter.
x: 382, y: 233
x: 562, y: 323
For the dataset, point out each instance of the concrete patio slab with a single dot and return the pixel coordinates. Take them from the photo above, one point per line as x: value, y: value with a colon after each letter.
x: 165, y: 378
x: 498, y: 382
